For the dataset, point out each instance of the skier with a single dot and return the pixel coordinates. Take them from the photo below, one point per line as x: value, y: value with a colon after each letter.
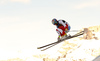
x: 62, y: 28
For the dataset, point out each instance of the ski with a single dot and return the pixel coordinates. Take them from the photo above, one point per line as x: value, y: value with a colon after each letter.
x: 55, y: 43
x: 47, y: 45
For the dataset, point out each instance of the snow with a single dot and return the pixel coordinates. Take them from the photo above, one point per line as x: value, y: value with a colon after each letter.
x: 80, y: 49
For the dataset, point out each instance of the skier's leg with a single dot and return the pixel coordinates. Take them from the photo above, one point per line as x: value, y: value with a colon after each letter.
x: 61, y: 33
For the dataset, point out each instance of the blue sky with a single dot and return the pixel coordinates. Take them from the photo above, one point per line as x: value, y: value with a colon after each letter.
x: 28, y: 22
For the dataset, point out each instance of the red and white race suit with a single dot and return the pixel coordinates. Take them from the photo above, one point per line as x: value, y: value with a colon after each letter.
x: 62, y: 26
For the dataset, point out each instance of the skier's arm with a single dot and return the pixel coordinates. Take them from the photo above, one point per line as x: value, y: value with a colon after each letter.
x: 58, y: 34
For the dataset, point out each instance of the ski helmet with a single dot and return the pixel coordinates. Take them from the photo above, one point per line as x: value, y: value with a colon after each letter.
x: 54, y: 21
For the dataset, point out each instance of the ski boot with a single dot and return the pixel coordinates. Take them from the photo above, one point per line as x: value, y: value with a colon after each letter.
x: 59, y: 39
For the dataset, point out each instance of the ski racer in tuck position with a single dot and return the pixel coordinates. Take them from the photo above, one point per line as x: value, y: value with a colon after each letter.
x: 62, y: 28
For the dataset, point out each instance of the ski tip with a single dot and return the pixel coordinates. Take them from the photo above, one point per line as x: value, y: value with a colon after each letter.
x: 38, y: 47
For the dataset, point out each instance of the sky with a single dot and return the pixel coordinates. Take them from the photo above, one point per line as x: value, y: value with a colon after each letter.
x: 26, y: 24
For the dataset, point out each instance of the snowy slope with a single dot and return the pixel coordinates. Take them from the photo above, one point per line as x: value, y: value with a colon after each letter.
x: 83, y: 48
